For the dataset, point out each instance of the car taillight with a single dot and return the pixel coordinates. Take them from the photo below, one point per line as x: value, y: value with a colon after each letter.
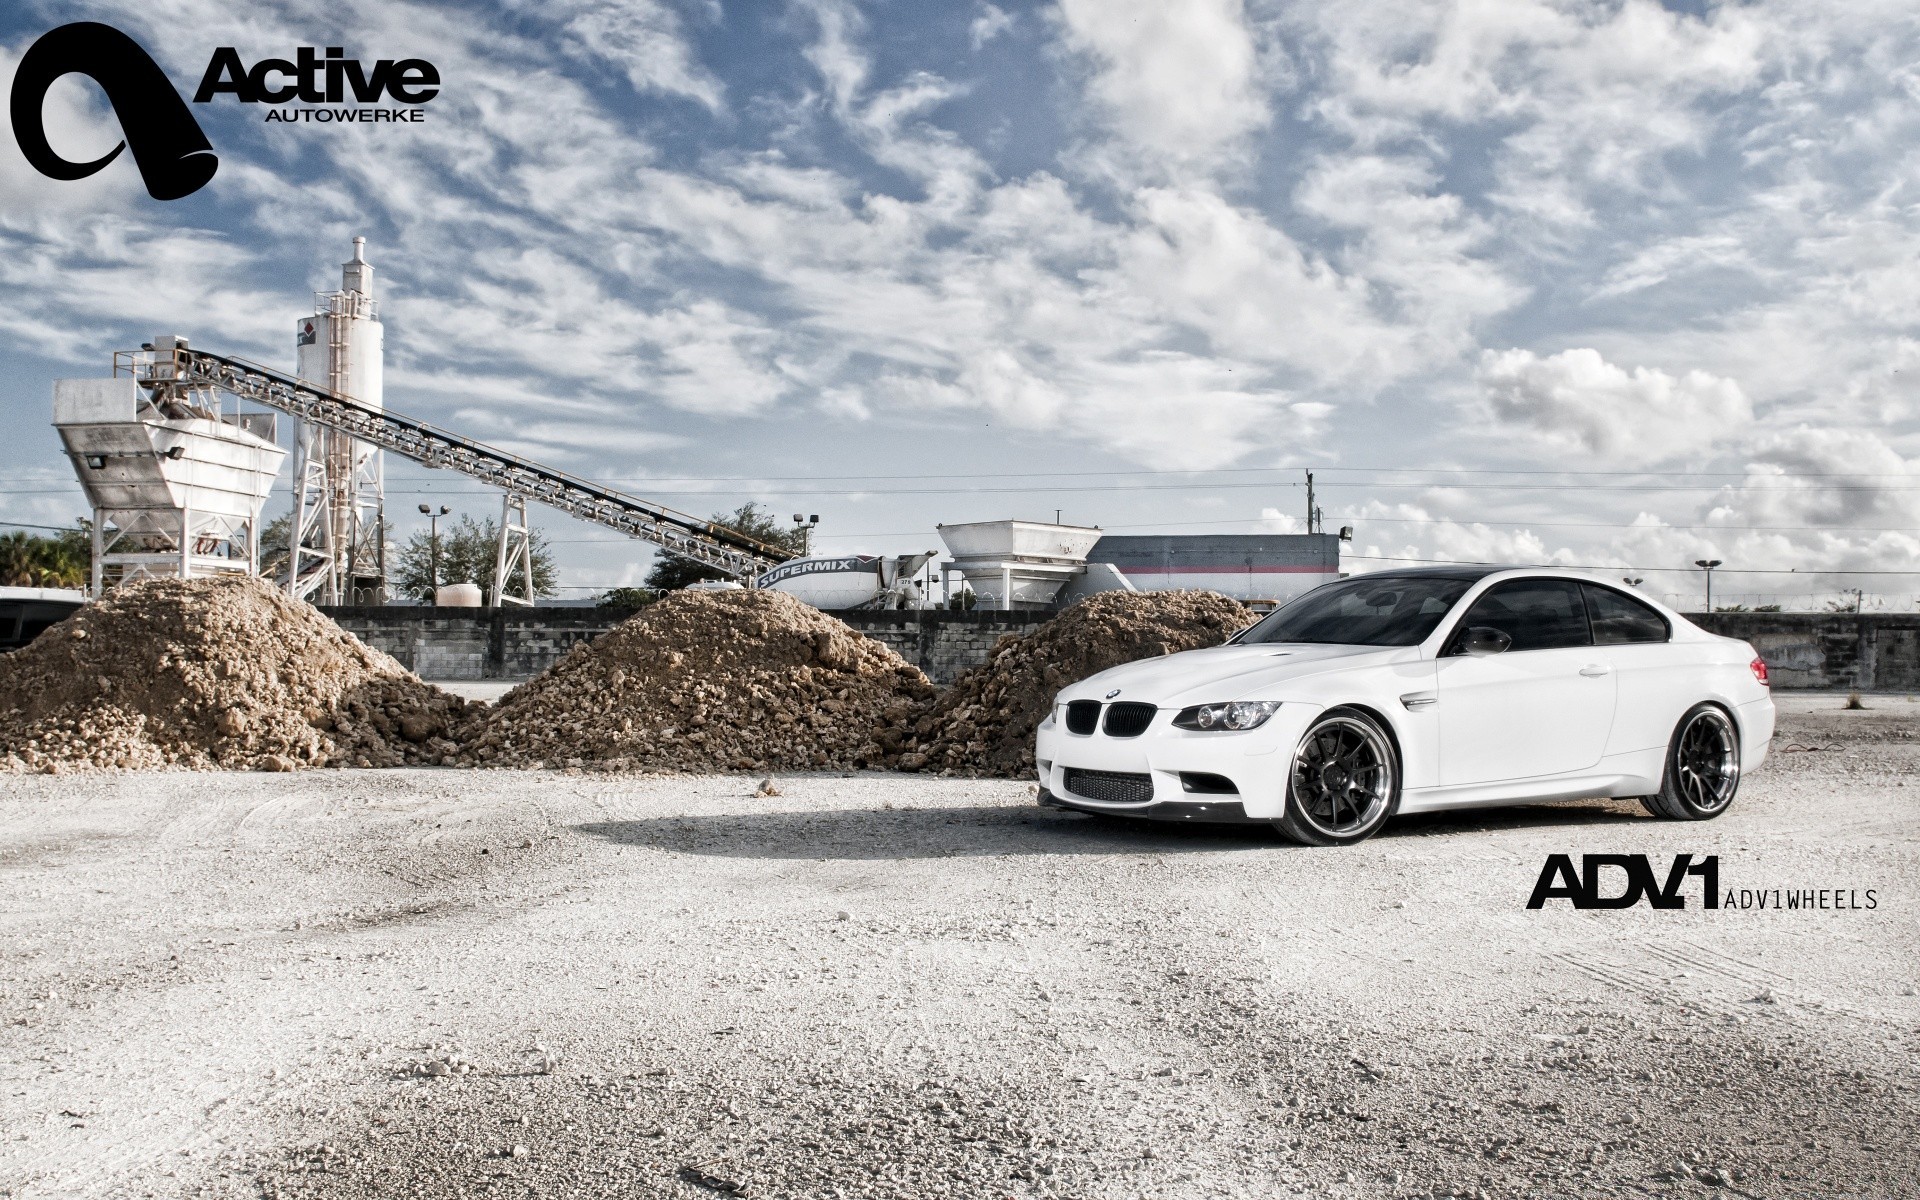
x: 1759, y: 668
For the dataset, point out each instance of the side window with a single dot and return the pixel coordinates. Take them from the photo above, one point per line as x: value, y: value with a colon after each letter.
x: 1619, y: 619
x: 1538, y: 614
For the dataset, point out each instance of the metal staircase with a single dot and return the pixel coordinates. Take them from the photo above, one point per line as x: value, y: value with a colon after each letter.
x: 180, y: 369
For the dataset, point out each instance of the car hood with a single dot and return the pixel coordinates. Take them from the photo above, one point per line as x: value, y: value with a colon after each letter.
x: 1227, y: 672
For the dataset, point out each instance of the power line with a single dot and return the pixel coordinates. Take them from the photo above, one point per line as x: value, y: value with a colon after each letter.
x: 1142, y: 487
x: 1166, y: 471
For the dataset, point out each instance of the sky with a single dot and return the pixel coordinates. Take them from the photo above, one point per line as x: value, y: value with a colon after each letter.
x: 1616, y: 284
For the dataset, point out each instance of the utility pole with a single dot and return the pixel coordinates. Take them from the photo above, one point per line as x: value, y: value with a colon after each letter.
x: 1707, y: 565
x: 1313, y: 510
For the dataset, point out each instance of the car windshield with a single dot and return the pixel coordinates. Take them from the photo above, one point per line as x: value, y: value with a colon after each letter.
x: 1399, y: 611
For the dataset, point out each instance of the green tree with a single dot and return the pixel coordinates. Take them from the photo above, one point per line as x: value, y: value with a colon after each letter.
x: 64, y: 560
x: 275, y: 539
x: 627, y: 599
x: 671, y: 572
x: 468, y: 551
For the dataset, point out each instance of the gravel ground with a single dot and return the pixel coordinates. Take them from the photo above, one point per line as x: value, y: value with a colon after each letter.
x: 430, y: 983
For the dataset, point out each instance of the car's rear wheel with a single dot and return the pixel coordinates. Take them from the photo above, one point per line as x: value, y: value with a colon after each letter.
x: 1344, y: 782
x: 1703, y: 767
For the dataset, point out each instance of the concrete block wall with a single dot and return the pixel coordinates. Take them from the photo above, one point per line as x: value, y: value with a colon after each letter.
x: 1839, y: 651
x: 473, y: 643
x: 941, y: 642
x: 516, y: 643
x: 1869, y: 652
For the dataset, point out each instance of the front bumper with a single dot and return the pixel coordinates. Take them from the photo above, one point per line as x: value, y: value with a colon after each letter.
x: 1229, y: 812
x: 1255, y: 762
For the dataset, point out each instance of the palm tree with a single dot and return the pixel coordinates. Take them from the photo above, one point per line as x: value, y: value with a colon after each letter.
x: 30, y: 560
x: 16, y: 559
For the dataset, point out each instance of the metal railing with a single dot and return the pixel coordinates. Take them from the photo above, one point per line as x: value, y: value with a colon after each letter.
x: 725, y: 550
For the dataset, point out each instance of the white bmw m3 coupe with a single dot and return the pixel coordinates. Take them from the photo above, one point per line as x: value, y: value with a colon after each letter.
x: 1415, y: 690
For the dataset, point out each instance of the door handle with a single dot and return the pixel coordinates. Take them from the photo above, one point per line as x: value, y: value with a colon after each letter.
x: 1595, y: 670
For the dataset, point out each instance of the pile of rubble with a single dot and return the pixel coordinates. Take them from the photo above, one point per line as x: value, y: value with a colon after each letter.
x: 213, y: 673
x: 710, y: 681
x: 984, y: 724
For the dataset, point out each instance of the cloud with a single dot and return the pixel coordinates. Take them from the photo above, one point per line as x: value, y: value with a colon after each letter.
x: 1179, y: 234
x: 990, y: 24
x: 1178, y: 82
x: 1579, y: 401
x: 644, y: 39
x: 1578, y: 99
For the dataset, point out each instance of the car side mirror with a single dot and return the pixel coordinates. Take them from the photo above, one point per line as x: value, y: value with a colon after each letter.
x: 1482, y: 640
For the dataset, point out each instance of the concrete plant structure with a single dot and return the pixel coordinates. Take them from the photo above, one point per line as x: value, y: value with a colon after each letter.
x: 175, y: 483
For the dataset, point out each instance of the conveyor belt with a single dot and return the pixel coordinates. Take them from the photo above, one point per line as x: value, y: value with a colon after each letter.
x: 723, y: 549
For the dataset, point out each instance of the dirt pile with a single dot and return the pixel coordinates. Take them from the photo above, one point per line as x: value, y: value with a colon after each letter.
x: 209, y: 673
x: 711, y: 681
x: 984, y: 724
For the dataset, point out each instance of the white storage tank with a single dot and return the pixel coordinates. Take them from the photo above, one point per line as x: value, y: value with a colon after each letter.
x: 458, y: 595
x: 849, y: 580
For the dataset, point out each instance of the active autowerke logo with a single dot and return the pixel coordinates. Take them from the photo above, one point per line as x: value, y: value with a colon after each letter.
x: 170, y: 149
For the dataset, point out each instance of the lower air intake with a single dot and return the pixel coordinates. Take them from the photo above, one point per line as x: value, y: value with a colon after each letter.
x: 1109, y: 787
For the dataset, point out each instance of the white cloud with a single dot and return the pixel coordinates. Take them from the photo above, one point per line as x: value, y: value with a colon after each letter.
x: 990, y: 24
x: 1590, y: 97
x: 1178, y: 81
x: 1579, y: 401
x: 1278, y: 231
x: 644, y: 40
x: 1397, y: 535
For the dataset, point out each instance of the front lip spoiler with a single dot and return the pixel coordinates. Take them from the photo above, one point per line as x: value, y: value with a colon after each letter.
x: 1216, y: 812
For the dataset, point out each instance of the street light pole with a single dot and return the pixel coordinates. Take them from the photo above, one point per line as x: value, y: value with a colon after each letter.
x: 1707, y: 565
x: 433, y: 549
x: 804, y: 525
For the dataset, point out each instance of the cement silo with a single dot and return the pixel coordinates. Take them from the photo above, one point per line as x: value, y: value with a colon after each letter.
x: 339, y: 541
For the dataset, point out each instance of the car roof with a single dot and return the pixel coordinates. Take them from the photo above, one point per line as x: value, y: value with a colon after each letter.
x: 1475, y: 572
x: 1467, y: 571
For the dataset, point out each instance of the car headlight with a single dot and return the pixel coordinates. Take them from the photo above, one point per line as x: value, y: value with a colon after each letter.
x: 1234, y: 716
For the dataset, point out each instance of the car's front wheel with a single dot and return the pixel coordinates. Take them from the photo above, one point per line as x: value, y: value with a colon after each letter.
x: 1345, y: 781
x: 1703, y: 767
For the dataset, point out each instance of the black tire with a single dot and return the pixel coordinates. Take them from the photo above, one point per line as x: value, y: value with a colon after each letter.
x: 1343, y: 783
x: 1702, y: 770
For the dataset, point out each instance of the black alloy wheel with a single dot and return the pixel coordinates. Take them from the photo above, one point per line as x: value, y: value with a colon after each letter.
x: 1344, y: 783
x: 1703, y: 767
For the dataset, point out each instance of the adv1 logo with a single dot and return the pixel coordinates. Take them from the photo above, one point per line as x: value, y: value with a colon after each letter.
x: 174, y: 156
x: 1559, y: 881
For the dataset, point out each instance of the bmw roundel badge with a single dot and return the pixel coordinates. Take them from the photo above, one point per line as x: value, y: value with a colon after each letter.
x: 1113, y: 693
